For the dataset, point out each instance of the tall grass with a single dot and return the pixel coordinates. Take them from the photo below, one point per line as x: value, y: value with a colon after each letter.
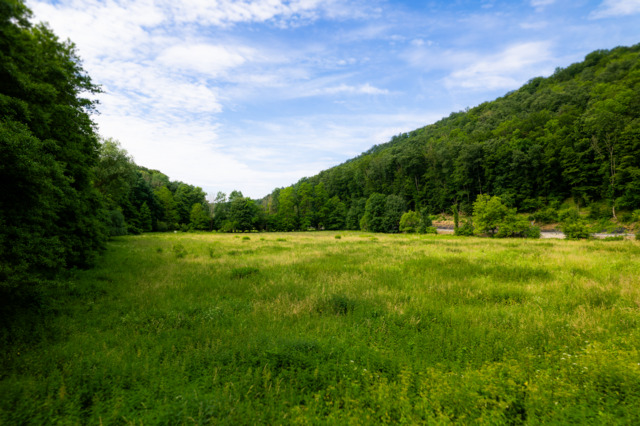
x: 198, y: 328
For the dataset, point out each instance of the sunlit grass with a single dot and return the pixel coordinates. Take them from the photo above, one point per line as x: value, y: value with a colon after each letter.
x: 278, y: 328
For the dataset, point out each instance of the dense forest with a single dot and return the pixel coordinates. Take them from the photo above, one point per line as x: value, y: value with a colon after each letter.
x: 572, y: 136
x: 64, y: 190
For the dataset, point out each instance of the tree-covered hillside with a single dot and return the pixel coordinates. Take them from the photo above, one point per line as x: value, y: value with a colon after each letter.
x: 63, y: 191
x: 574, y: 135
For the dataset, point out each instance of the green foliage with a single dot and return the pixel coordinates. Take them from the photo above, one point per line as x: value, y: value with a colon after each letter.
x: 546, y: 215
x: 51, y: 216
x: 492, y: 217
x: 374, y: 214
x: 575, y: 228
x: 517, y: 227
x: 394, y: 207
x: 466, y: 230
x: 429, y: 230
x: 198, y: 217
x: 456, y: 216
x: 244, y: 214
x: 488, y: 213
x: 410, y: 222
x: 146, y: 219
x: 117, y: 225
x: 179, y: 251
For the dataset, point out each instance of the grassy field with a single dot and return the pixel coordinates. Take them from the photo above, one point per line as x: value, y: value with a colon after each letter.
x: 315, y: 328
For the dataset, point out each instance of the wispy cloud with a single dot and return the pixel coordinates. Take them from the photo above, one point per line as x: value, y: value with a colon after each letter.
x: 363, y: 89
x: 505, y: 70
x: 206, y: 59
x: 614, y: 8
x: 541, y: 4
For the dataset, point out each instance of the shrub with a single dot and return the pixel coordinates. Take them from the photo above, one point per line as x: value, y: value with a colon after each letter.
x: 117, y: 225
x: 456, y: 217
x: 599, y: 211
x: 548, y: 215
x: 466, y: 230
x: 246, y: 238
x: 337, y: 237
x: 567, y: 215
x: 410, y: 222
x: 533, y: 232
x: 179, y: 251
x: 513, y: 226
x: 488, y: 213
x: 575, y: 229
x: 430, y: 230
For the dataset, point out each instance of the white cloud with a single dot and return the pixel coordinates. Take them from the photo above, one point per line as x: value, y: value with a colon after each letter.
x: 209, y: 60
x: 539, y: 4
x: 505, y: 70
x: 613, y: 8
x: 364, y: 89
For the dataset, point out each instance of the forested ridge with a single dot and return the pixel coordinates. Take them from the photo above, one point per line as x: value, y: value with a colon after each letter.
x: 574, y: 135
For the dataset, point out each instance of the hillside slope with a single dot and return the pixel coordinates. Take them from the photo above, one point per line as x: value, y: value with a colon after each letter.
x: 575, y: 134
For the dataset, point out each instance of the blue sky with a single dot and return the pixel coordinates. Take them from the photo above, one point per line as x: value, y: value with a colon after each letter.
x: 254, y: 95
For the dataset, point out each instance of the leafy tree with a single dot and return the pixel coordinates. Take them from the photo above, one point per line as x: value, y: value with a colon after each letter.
x: 466, y: 230
x: 335, y: 214
x: 394, y: 207
x: 575, y: 228
x: 355, y: 213
x: 146, y: 220
x: 168, y: 207
x: 374, y: 212
x: 199, y: 219
x: 115, y: 173
x: 185, y: 197
x: 220, y: 210
x: 51, y: 216
x: 410, y: 222
x: 456, y: 216
x: 287, y: 214
x: 243, y: 214
x: 488, y: 213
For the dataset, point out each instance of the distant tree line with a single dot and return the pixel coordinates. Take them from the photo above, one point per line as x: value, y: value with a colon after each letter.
x: 142, y: 200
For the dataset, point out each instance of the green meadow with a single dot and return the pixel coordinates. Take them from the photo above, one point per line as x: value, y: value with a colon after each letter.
x: 326, y: 328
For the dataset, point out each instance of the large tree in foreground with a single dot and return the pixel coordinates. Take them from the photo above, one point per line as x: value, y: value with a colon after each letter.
x: 51, y: 215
